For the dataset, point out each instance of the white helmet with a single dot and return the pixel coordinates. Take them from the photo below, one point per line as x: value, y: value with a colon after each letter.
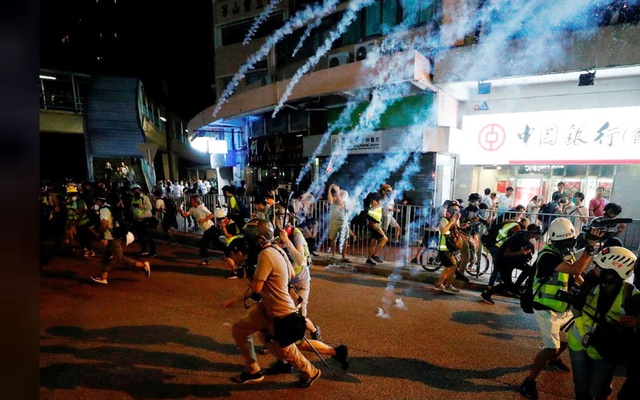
x: 616, y: 258
x: 561, y: 229
x: 221, y: 213
x: 129, y: 239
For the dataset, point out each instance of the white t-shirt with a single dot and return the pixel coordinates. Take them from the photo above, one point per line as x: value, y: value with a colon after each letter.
x: 504, y: 202
x: 105, y: 214
x: 575, y: 214
x: 199, y: 213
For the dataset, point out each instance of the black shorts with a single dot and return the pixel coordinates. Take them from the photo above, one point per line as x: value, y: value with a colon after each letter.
x: 447, y: 259
x: 375, y: 234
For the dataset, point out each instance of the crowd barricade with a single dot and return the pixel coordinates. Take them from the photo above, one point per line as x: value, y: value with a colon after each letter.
x: 413, y: 222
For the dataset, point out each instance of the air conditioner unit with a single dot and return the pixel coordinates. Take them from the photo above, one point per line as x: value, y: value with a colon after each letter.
x: 361, y: 50
x: 339, y: 59
x: 266, y: 80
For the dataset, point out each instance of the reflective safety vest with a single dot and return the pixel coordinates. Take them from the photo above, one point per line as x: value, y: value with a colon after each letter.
x: 77, y: 212
x: 375, y: 213
x: 305, y: 251
x: 586, y: 323
x: 443, y: 240
x: 558, y: 281
x: 503, y: 233
x: 138, y: 211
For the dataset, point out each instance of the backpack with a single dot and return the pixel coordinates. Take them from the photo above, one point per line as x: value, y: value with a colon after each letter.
x: 170, y: 207
x: 455, y: 239
x: 489, y: 238
x: 545, y: 209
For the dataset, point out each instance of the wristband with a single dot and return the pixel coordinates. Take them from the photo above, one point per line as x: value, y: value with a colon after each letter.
x: 589, y: 250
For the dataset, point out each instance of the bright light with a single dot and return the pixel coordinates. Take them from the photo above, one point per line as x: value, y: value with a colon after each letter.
x: 163, y: 119
x: 200, y: 144
x: 51, y: 78
x: 217, y: 146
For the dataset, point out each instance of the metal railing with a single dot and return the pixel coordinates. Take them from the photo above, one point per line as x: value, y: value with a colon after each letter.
x: 404, y: 241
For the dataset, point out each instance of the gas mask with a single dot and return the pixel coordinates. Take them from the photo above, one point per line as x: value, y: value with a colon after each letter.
x: 74, y: 198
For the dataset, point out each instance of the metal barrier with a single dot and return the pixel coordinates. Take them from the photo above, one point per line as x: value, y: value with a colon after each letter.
x: 404, y: 241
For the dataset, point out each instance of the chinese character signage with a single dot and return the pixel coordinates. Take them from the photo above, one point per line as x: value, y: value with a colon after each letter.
x: 372, y: 143
x: 275, y: 149
x: 590, y: 136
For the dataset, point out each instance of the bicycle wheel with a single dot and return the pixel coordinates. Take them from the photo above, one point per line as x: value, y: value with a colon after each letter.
x: 478, y: 269
x: 429, y: 259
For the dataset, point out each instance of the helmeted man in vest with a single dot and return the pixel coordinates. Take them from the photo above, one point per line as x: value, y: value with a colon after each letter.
x: 374, y: 219
x: 609, y: 304
x: 555, y: 268
x: 142, y: 217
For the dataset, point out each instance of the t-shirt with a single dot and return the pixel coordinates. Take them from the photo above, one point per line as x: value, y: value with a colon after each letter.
x: 597, y: 206
x: 575, y: 214
x: 273, y: 269
x: 199, y: 213
x: 547, y: 263
x: 505, y: 203
x: 105, y: 214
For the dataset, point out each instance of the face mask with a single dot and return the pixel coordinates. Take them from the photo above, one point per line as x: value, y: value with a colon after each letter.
x: 574, y: 200
x: 74, y: 198
x: 136, y: 195
x: 96, y: 207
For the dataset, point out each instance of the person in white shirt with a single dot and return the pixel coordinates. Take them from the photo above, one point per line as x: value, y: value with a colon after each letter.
x: 505, y: 201
x: 577, y: 213
x: 203, y: 217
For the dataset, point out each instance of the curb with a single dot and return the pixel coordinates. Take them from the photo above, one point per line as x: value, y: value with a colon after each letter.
x: 409, y: 272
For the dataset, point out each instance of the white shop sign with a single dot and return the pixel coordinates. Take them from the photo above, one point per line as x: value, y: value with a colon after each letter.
x: 371, y: 143
x: 589, y: 136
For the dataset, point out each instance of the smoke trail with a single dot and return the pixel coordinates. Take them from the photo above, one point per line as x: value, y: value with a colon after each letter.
x: 259, y: 20
x: 305, y: 35
x: 347, y: 18
x: 300, y: 19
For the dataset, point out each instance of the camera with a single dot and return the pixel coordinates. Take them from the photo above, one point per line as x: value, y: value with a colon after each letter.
x: 573, y: 297
x: 606, y: 225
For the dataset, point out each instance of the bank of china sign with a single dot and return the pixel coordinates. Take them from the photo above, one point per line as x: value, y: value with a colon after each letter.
x: 589, y: 136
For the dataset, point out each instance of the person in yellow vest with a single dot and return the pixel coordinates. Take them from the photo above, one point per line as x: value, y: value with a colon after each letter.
x: 610, y: 305
x: 555, y: 267
x: 77, y: 216
x: 374, y: 219
x: 446, y: 256
x: 143, y: 220
x: 229, y: 231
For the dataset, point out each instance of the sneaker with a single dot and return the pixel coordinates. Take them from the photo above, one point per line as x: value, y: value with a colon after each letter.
x: 279, y: 367
x: 204, y: 263
x: 89, y: 253
x: 245, y: 377
x: 487, y: 298
x: 451, y: 290
x: 317, y: 335
x: 559, y: 365
x: 414, y: 260
x: 439, y: 287
x: 147, y: 269
x: 528, y: 389
x: 144, y: 253
x: 461, y: 277
x: 240, y: 272
x: 377, y: 259
x: 232, y: 275
x: 370, y: 261
x: 153, y: 255
x: 304, y: 383
x: 342, y: 356
x: 345, y: 260
x: 98, y: 279
x: 313, y: 253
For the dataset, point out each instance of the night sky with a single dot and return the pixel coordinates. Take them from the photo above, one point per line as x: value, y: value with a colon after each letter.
x: 170, y: 41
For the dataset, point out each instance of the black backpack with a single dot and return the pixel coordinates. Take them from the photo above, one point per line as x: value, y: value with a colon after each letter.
x: 545, y: 209
x: 170, y: 207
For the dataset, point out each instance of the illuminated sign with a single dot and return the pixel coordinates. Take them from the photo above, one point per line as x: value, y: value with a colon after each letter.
x: 590, y: 136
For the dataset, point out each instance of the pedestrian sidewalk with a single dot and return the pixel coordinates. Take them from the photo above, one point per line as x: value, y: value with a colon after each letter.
x: 410, y: 272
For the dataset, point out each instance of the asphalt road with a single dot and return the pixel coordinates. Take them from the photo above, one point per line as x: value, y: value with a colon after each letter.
x: 167, y: 337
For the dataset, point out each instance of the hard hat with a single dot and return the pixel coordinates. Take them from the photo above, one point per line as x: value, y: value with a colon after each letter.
x: 135, y: 186
x: 258, y: 228
x: 129, y: 238
x: 616, y: 258
x: 72, y: 189
x: 561, y: 229
x: 221, y: 213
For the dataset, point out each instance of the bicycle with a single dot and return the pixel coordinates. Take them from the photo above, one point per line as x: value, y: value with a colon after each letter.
x: 480, y: 268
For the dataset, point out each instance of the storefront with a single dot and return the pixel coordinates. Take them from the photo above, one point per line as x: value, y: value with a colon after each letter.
x: 533, y: 151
